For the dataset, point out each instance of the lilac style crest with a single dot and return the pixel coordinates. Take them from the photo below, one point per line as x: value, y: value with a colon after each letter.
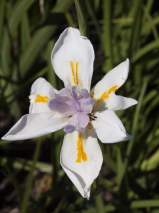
x: 75, y: 103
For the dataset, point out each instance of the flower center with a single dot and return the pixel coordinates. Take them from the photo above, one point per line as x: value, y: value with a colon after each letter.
x: 74, y: 103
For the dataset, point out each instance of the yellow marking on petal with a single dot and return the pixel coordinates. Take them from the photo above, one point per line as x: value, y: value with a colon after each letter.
x: 107, y: 93
x: 92, y: 95
x: 89, y: 126
x: 43, y: 99
x: 77, y: 63
x: 74, y: 71
x: 81, y: 155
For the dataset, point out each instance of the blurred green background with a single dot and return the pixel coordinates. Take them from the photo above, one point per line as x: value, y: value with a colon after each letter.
x: 31, y: 178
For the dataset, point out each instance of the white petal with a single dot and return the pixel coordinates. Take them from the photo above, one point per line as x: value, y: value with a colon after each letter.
x: 109, y: 127
x: 72, y: 59
x: 39, y: 96
x: 35, y: 125
x: 115, y: 102
x: 81, y: 172
x: 110, y: 83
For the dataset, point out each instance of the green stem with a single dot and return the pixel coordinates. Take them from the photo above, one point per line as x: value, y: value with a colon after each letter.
x: 30, y: 178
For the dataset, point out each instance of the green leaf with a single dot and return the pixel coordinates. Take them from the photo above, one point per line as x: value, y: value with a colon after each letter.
x: 82, y: 18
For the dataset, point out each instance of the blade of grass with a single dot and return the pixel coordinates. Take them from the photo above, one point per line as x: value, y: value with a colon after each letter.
x: 151, y: 163
x: 93, y: 16
x: 150, y: 23
x: 40, y: 38
x: 51, y: 74
x: 2, y: 13
x: 23, y: 164
x: 99, y: 204
x: 18, y: 189
x: 120, y: 167
x: 135, y: 30
x: 96, y: 5
x: 14, y: 182
x: 108, y: 160
x: 107, y: 35
x: 144, y: 50
x: 70, y: 20
x: 24, y: 204
x: 144, y: 203
x: 25, y: 32
x: 135, y: 121
x: 82, y: 19
x: 17, y: 12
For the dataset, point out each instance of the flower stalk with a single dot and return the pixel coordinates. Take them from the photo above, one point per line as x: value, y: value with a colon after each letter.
x: 30, y: 178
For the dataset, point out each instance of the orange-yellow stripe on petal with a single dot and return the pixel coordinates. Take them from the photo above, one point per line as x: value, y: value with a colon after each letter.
x: 89, y: 126
x: 92, y: 94
x: 77, y: 64
x: 74, y: 72
x: 43, y: 99
x: 107, y: 93
x: 81, y: 155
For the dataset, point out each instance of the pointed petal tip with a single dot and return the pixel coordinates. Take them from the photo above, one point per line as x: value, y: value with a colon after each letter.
x: 84, y: 173
x: 109, y: 128
x: 29, y: 126
x: 87, y: 197
x: 7, y: 137
x: 129, y: 137
x: 87, y: 192
x: 127, y: 60
x: 73, y: 30
x: 127, y: 63
x: 135, y: 102
x: 132, y: 102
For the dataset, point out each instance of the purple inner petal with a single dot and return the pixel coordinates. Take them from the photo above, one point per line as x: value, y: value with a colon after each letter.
x: 75, y: 98
x: 86, y: 108
x: 83, y: 119
x: 64, y: 91
x: 88, y: 101
x: 69, y: 128
x: 75, y: 103
x: 73, y: 120
x: 61, y: 107
x: 52, y: 93
x: 83, y: 92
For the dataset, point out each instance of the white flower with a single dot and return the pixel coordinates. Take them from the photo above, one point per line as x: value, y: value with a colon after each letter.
x: 84, y: 115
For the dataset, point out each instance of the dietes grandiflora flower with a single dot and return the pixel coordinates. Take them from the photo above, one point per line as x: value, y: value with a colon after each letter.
x: 82, y: 113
